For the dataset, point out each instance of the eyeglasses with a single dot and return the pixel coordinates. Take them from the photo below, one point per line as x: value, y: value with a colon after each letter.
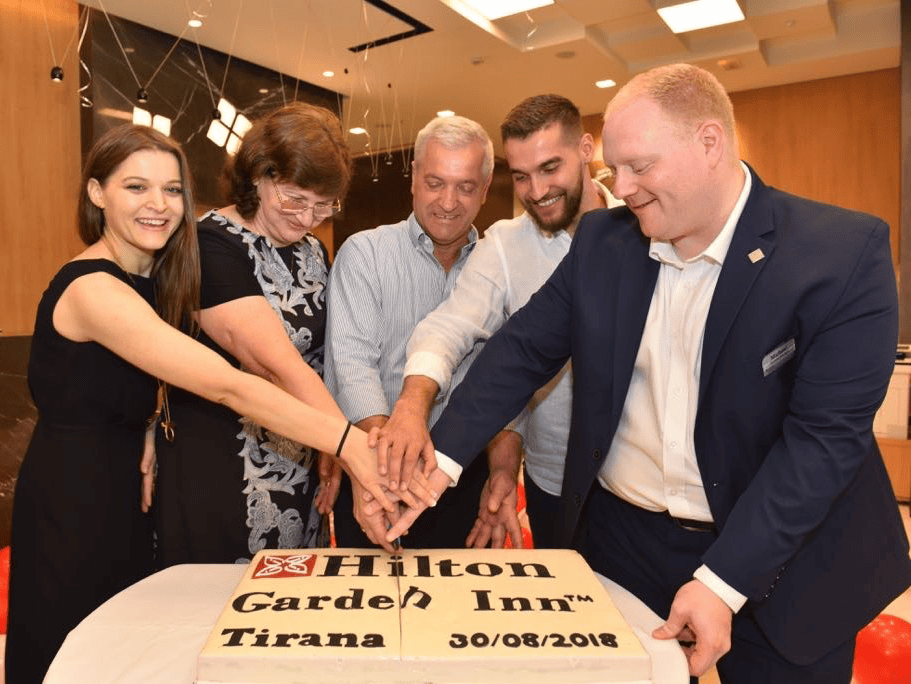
x: 321, y: 210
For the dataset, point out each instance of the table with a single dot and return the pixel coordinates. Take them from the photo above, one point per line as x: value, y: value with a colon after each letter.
x: 152, y: 632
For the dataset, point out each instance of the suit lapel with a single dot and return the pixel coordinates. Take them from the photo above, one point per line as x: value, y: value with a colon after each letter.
x: 751, y: 246
x: 637, y: 278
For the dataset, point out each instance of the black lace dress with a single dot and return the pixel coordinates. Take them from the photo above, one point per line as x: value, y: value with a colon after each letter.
x: 78, y: 534
x: 226, y: 486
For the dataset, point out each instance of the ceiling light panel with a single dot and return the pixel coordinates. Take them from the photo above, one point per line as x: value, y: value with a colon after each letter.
x: 496, y: 9
x: 699, y: 14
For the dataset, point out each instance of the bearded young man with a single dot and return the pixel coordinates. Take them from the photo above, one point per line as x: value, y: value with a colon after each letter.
x: 548, y: 154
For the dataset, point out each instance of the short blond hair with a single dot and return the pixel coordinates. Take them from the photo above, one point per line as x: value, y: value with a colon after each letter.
x: 686, y: 93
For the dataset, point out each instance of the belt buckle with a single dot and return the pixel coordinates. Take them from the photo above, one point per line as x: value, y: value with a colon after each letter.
x: 690, y: 528
x: 693, y: 525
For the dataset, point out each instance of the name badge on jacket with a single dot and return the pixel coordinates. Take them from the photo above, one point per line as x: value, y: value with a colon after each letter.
x: 776, y: 358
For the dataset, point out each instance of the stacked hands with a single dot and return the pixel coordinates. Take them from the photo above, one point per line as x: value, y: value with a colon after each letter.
x: 395, y: 477
x: 392, y: 492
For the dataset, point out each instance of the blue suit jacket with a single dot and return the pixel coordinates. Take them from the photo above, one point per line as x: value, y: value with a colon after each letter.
x: 809, y: 528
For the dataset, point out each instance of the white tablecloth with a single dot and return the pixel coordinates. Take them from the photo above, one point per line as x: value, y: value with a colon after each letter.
x: 152, y: 632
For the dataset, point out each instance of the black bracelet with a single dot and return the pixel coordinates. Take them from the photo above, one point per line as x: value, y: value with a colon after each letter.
x: 341, y: 442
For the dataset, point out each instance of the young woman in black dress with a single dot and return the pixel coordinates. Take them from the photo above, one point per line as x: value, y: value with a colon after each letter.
x: 79, y: 535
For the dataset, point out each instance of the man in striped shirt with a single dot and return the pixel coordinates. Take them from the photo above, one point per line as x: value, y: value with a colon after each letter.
x: 383, y: 282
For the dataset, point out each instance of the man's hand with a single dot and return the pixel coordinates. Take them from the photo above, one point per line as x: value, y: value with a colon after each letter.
x: 330, y: 479
x: 698, y: 614
x: 435, y: 485
x: 404, y: 438
x: 497, y: 515
x: 147, y: 467
x: 374, y: 521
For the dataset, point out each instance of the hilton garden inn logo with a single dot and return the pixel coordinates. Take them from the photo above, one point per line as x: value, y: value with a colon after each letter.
x: 273, y: 567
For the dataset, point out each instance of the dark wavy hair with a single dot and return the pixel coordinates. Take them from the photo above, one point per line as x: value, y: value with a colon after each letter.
x: 299, y: 143
x: 175, y: 269
x: 537, y: 112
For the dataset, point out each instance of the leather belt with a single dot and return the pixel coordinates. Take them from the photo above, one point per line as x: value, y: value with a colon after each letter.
x: 693, y: 525
x: 684, y: 523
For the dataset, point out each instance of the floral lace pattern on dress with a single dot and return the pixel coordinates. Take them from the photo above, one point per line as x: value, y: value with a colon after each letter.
x: 273, y: 463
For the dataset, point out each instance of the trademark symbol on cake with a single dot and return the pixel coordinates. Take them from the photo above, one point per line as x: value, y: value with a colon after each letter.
x: 275, y: 566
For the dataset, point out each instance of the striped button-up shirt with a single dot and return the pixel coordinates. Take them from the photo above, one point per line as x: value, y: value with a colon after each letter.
x: 382, y: 284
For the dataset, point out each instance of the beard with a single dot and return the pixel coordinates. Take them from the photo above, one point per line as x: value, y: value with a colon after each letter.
x: 572, y: 200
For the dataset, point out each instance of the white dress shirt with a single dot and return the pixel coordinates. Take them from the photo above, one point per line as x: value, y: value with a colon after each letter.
x: 652, y: 459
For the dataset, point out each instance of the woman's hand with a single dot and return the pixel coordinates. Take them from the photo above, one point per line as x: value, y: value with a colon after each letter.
x: 148, y: 466
x: 497, y: 515
x: 359, y: 461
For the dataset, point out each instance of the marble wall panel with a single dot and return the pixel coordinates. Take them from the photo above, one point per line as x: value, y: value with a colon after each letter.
x: 184, y: 85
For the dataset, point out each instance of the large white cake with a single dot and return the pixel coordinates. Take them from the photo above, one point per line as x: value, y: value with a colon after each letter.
x: 462, y: 615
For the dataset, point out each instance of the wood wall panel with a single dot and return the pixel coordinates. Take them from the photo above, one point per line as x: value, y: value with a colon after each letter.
x: 897, y: 458
x: 835, y: 140
x: 39, y: 136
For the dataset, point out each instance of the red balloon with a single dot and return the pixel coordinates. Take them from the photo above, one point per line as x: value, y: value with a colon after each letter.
x: 520, y: 497
x: 883, y: 652
x: 526, y: 538
x: 4, y: 587
x: 527, y: 542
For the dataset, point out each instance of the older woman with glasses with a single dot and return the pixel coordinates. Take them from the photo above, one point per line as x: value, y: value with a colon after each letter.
x: 226, y: 486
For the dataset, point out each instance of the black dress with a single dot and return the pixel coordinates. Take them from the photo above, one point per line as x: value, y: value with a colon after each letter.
x: 79, y: 535
x: 226, y: 486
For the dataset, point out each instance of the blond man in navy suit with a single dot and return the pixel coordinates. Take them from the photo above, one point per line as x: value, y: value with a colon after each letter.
x: 731, y: 344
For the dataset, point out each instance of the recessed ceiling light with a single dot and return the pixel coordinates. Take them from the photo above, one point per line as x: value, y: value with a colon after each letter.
x: 606, y: 83
x: 699, y: 14
x: 328, y: 74
x: 445, y: 112
x: 263, y: 91
x: 194, y: 23
x: 357, y: 130
x: 496, y: 9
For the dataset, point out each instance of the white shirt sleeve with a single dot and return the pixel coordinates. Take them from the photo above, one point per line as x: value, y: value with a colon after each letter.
x: 720, y: 588
x: 450, y: 467
x: 474, y: 310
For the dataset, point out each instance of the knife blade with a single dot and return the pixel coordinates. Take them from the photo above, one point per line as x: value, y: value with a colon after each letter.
x: 397, y: 545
